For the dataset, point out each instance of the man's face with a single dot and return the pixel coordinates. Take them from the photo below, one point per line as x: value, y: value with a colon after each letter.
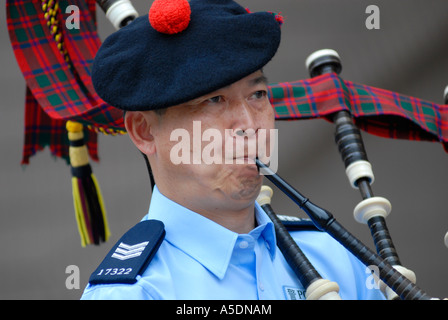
x: 205, y: 147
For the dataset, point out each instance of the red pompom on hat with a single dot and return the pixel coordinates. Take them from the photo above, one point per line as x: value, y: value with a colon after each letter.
x: 169, y: 16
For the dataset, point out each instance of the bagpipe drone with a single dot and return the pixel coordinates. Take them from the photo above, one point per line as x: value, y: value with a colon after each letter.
x: 63, y: 111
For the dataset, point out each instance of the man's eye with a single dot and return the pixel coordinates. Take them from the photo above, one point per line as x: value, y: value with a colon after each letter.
x: 216, y: 99
x: 259, y: 94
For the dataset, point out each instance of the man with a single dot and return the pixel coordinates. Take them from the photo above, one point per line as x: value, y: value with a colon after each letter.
x: 215, y: 241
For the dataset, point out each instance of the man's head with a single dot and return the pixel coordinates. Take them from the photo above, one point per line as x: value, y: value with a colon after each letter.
x: 195, y: 148
x: 191, y: 96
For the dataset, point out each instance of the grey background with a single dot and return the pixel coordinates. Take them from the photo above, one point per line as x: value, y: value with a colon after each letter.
x: 408, y: 54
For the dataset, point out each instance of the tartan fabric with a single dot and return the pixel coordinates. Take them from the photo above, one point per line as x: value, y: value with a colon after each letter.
x: 393, y: 115
x: 55, y: 87
x: 305, y: 99
x: 377, y: 111
x: 59, y: 92
x: 41, y: 130
x: 49, y: 132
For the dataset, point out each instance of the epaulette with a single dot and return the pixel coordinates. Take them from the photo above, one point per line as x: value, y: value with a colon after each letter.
x: 293, y: 223
x: 131, y: 255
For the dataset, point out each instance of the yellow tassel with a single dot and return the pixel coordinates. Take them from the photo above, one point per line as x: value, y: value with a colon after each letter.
x: 103, y: 209
x: 82, y: 229
x: 88, y: 202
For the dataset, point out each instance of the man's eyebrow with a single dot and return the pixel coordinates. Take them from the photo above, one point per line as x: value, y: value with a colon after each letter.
x: 252, y: 82
x: 259, y: 80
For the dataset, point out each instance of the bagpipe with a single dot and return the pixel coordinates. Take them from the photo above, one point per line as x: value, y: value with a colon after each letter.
x: 396, y: 281
x: 63, y: 111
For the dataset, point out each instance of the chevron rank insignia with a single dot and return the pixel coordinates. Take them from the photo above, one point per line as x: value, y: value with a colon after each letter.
x: 125, y: 251
x: 131, y: 254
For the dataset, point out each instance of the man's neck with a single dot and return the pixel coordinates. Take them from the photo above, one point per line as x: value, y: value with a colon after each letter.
x: 241, y: 222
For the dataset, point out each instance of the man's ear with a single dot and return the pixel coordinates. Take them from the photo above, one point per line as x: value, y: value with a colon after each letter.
x: 139, y: 126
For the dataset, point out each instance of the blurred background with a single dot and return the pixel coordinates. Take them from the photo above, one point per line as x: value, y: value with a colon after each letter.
x: 408, y: 54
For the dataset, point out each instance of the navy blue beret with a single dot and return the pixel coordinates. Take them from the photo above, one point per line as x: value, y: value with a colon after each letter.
x: 138, y: 68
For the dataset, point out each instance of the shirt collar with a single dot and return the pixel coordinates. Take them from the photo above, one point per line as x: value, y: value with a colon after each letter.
x: 201, y: 238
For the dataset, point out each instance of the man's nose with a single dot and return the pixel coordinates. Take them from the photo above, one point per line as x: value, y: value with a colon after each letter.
x: 245, y: 119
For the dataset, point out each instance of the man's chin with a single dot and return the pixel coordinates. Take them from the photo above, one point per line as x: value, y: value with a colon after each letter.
x: 248, y: 190
x: 247, y: 168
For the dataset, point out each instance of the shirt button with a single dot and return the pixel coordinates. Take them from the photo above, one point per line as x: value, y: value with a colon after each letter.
x: 244, y: 244
x: 261, y: 286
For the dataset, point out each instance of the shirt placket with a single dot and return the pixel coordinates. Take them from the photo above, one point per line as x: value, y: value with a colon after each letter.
x: 261, y: 250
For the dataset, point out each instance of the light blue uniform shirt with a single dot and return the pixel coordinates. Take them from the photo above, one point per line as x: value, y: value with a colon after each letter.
x: 199, y: 259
